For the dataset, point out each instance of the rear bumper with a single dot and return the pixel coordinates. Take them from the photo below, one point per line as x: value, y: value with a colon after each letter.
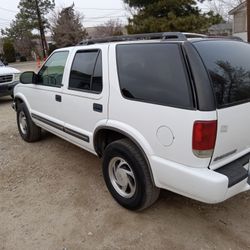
x: 200, y: 184
x: 7, y: 89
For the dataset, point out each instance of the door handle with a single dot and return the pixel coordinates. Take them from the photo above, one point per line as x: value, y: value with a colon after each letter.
x: 58, y: 98
x: 97, y: 107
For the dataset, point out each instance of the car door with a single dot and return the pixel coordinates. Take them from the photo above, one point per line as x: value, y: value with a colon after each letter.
x: 85, y: 98
x: 44, y: 97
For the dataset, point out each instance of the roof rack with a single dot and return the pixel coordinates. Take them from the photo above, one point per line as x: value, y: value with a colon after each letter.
x: 177, y: 36
x: 148, y: 36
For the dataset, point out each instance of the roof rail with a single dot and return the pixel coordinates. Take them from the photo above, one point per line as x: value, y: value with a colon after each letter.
x: 148, y: 36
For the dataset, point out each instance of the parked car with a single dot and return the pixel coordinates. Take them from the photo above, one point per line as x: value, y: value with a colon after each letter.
x: 163, y: 111
x: 9, y: 78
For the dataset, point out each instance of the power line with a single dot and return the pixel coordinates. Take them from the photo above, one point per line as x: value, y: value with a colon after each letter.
x: 113, y: 17
x: 102, y: 9
x: 8, y: 10
x: 5, y: 19
x: 100, y: 17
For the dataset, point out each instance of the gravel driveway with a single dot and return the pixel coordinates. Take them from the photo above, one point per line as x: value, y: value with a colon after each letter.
x: 52, y: 196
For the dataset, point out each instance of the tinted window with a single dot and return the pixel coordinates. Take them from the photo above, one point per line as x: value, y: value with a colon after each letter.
x: 97, y: 76
x: 86, y: 72
x: 228, y: 63
x: 51, y: 73
x: 153, y: 73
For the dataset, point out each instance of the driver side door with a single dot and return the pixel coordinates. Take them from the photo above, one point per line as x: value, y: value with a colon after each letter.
x: 44, y: 97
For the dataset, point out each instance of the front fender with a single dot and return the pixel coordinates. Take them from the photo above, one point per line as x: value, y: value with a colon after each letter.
x: 20, y: 96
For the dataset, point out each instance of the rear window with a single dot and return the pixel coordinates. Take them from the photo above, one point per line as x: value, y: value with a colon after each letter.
x: 153, y: 73
x: 228, y: 64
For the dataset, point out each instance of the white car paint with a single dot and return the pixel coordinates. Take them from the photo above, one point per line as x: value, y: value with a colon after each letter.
x: 8, y: 83
x: 173, y: 167
x: 5, y: 70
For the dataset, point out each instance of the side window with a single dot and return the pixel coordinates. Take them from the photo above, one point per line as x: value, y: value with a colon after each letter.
x: 153, y: 73
x: 86, y: 72
x: 51, y: 73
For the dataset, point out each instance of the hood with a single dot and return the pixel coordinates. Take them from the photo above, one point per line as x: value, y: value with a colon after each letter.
x: 8, y: 70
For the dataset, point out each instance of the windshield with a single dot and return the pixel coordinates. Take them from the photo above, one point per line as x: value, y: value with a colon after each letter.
x: 228, y: 64
x: 1, y: 63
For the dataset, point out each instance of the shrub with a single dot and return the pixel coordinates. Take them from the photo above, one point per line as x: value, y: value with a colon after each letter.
x: 9, y: 51
x: 23, y: 59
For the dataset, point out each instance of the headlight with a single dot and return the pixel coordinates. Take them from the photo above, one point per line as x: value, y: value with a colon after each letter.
x: 16, y: 77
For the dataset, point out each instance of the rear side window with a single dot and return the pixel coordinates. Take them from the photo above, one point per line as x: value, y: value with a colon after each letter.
x: 228, y: 64
x: 86, y: 72
x: 153, y: 73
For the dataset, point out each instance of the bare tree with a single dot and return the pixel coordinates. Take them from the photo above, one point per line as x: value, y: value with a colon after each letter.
x: 110, y: 28
x: 222, y: 7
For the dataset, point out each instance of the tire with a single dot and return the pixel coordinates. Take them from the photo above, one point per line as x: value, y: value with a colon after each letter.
x: 127, y: 176
x: 26, y: 127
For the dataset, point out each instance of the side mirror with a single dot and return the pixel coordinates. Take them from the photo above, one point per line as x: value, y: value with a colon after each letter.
x: 5, y: 63
x: 28, y: 77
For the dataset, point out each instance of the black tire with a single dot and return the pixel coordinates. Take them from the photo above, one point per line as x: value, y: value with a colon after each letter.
x: 32, y: 133
x: 144, y: 193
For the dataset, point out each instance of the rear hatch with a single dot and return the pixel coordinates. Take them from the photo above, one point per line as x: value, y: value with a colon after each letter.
x: 228, y: 65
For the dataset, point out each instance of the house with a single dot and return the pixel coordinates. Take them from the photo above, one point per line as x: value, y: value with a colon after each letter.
x: 239, y: 14
x: 221, y: 29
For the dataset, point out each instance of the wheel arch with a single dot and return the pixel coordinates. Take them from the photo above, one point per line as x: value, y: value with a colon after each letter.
x: 104, y: 135
x: 19, y: 98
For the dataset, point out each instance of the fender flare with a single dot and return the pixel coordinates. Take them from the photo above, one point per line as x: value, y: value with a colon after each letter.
x: 129, y: 137
x: 22, y: 97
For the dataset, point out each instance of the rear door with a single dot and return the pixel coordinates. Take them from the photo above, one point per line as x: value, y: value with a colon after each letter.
x: 228, y: 64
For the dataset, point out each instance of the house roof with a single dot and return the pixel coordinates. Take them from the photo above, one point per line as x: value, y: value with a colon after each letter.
x: 221, y: 27
x: 237, y: 8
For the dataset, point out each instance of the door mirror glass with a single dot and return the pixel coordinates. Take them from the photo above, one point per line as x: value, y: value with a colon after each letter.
x: 28, y: 77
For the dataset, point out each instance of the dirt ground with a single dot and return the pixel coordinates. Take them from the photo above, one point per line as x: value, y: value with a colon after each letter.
x: 52, y: 196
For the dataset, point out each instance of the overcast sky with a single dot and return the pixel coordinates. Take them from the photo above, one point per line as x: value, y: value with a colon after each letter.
x: 95, y: 11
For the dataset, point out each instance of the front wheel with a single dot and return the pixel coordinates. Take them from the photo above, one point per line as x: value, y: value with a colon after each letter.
x: 27, y: 128
x: 127, y: 176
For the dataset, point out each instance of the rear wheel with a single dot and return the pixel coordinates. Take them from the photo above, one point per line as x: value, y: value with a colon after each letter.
x: 27, y: 128
x: 127, y: 176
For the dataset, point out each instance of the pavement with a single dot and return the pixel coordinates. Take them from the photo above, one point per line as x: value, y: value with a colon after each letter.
x: 25, y: 66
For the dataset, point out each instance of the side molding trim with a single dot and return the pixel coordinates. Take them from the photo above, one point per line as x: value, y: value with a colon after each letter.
x: 62, y: 128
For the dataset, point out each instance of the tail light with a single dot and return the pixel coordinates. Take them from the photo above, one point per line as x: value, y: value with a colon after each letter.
x: 204, y: 135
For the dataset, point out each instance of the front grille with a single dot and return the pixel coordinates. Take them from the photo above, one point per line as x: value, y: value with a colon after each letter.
x: 6, y: 78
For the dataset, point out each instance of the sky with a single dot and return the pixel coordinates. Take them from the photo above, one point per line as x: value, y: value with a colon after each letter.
x: 95, y: 11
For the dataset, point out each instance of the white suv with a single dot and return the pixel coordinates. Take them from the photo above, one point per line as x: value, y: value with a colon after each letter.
x: 163, y: 111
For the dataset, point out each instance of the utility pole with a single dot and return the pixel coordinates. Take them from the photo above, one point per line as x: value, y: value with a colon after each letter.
x: 248, y: 21
x: 41, y: 28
